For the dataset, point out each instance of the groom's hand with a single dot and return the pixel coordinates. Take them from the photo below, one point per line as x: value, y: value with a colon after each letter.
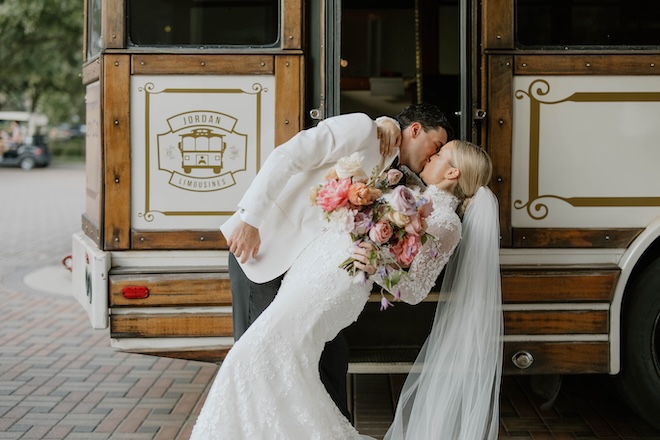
x: 244, y: 242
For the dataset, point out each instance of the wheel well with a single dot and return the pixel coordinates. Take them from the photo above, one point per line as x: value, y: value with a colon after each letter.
x: 651, y: 254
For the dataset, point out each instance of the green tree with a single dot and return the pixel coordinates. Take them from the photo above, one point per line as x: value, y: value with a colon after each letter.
x: 41, y: 57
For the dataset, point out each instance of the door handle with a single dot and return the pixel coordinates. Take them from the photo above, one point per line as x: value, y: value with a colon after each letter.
x: 478, y: 113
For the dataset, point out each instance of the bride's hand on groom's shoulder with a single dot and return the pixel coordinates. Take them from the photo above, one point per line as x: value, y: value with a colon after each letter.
x: 389, y: 135
x: 244, y: 242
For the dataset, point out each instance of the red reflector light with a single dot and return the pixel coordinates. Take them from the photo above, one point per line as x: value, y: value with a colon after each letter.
x: 135, y: 292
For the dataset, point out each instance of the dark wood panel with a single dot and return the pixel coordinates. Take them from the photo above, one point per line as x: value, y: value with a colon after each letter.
x: 289, y: 88
x: 113, y: 26
x: 292, y: 24
x: 574, y: 238
x: 554, y: 322
x: 542, y: 285
x: 203, y: 354
x: 499, y: 136
x: 116, y: 152
x: 189, y: 240
x: 145, y: 325
x: 559, y: 357
x: 168, y: 64
x: 583, y: 64
x: 181, y: 289
x: 497, y: 21
x: 91, y: 71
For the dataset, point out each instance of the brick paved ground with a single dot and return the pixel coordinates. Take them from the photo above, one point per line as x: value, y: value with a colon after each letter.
x: 587, y: 408
x: 60, y: 380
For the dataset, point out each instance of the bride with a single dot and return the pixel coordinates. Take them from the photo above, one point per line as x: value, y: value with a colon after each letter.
x: 268, y: 387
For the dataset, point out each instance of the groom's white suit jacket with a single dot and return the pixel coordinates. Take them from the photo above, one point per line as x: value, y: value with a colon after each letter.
x: 277, y: 201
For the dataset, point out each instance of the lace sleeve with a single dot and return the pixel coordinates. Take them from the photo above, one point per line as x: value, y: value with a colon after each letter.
x: 445, y: 226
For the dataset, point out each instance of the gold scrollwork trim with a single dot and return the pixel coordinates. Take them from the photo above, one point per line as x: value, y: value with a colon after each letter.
x: 536, y: 91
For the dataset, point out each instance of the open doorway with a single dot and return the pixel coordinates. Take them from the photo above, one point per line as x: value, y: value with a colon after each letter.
x: 394, y: 53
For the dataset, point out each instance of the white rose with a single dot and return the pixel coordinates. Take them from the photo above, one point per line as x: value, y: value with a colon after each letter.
x: 398, y: 218
x: 350, y: 166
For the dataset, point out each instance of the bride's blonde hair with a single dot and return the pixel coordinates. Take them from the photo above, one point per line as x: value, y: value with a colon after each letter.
x: 476, y: 169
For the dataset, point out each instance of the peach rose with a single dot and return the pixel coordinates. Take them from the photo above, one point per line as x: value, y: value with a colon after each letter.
x: 360, y: 194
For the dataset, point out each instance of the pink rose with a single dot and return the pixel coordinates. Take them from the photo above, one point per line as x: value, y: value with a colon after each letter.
x: 425, y: 208
x: 381, y: 232
x: 333, y: 195
x: 403, y: 200
x: 394, y: 176
x: 416, y: 225
x: 406, y: 250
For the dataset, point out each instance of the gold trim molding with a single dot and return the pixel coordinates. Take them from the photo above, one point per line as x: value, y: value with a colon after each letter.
x: 534, y: 206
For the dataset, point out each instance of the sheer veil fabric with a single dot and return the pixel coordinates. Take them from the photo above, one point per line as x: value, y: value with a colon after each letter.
x: 452, y: 391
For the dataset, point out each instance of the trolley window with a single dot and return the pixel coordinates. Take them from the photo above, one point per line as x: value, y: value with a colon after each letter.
x: 253, y: 23
x: 94, y: 38
x: 587, y: 23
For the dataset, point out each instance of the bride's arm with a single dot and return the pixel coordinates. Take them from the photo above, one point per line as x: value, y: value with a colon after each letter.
x: 430, y: 261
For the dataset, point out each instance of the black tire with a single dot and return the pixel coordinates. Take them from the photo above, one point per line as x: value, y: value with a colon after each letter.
x: 639, y: 380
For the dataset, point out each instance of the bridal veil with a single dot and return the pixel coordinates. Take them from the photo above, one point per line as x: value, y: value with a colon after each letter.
x: 452, y: 391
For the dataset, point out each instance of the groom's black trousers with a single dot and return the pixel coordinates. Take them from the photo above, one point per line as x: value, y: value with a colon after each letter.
x: 249, y: 299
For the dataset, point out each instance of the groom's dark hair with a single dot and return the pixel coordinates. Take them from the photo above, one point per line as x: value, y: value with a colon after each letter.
x: 428, y: 115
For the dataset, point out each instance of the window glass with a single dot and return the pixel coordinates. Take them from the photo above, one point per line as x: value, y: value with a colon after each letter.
x: 203, y: 22
x: 94, y: 37
x: 587, y: 23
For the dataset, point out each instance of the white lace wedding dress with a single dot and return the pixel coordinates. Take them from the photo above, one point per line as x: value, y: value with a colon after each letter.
x: 268, y: 387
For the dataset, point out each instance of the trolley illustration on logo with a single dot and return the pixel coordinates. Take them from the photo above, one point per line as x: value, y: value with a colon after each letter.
x: 202, y: 149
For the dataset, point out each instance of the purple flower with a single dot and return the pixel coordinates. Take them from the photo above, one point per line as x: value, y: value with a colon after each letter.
x: 403, y: 200
x: 384, y: 303
x: 360, y: 278
x: 361, y: 223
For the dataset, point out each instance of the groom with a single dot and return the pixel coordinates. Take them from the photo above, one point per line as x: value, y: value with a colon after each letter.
x: 275, y: 221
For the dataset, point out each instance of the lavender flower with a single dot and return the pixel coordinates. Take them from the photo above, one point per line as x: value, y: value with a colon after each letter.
x: 384, y: 303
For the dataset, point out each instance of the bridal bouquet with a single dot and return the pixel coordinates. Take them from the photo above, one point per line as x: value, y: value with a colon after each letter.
x: 379, y: 210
